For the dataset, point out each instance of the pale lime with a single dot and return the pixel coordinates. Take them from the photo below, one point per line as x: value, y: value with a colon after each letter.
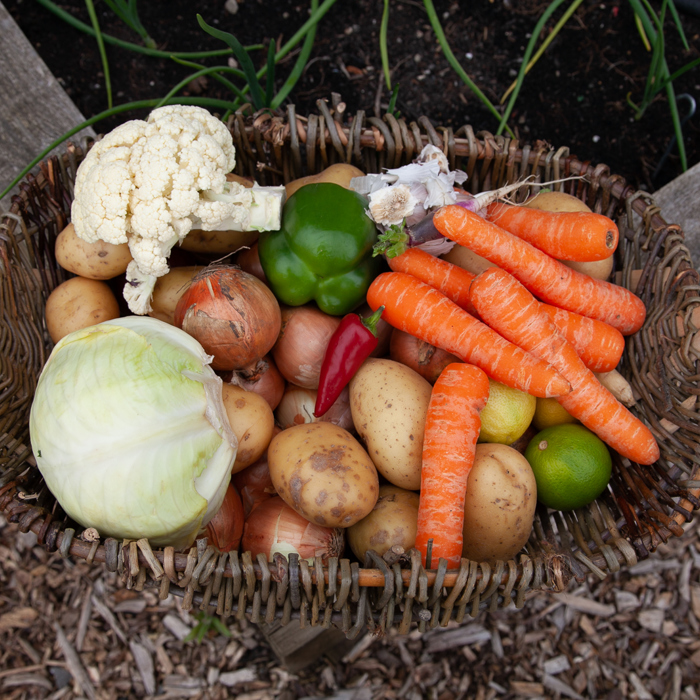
x: 507, y: 414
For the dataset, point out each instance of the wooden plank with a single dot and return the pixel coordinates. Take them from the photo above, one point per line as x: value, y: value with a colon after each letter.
x: 34, y: 108
x: 297, y: 647
x: 680, y: 204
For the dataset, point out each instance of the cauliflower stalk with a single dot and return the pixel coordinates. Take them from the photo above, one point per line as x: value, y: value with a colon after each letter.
x: 149, y: 183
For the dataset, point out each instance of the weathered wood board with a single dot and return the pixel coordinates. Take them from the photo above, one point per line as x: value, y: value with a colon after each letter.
x: 297, y: 647
x: 34, y: 108
x: 680, y: 204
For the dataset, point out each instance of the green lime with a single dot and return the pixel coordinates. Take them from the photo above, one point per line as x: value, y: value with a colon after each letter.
x: 572, y: 466
x: 550, y: 412
x: 507, y: 414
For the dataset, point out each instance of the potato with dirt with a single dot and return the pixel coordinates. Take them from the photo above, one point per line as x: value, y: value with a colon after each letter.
x: 339, y: 173
x: 96, y: 261
x: 323, y: 473
x: 389, y: 403
x: 499, y: 507
x: 392, y: 523
x: 251, y: 420
x: 168, y: 290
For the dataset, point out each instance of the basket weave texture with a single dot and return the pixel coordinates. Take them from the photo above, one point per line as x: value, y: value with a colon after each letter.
x: 643, y: 506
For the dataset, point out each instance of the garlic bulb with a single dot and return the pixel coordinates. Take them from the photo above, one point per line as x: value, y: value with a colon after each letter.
x: 391, y: 205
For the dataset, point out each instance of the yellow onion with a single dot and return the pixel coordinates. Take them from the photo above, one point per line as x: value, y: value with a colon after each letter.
x: 420, y: 356
x: 297, y: 407
x: 249, y: 261
x: 225, y: 529
x: 264, y: 379
x: 273, y: 527
x: 232, y: 314
x: 254, y: 484
x: 302, y: 342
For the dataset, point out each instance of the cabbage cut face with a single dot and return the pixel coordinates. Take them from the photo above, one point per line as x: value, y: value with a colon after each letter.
x: 129, y: 431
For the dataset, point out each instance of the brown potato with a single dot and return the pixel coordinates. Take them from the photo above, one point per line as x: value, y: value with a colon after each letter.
x: 389, y: 403
x: 321, y: 471
x: 168, y: 290
x: 556, y: 201
x: 218, y: 242
x: 599, y: 269
x: 251, y: 420
x: 339, y: 173
x: 500, y: 504
x: 467, y: 259
x: 96, y: 261
x: 78, y: 303
x: 392, y: 522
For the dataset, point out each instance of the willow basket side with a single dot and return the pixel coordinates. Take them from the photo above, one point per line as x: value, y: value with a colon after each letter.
x: 643, y: 507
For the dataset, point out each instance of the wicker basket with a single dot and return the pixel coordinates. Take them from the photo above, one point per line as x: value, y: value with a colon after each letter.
x: 643, y: 507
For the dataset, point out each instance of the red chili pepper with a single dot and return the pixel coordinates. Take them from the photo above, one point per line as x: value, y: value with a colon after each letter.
x: 350, y: 345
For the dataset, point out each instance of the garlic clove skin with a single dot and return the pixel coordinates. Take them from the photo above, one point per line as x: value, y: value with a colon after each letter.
x: 431, y: 152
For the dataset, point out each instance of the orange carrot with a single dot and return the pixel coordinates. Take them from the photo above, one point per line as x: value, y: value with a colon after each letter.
x: 597, y: 343
x: 452, y: 427
x: 452, y: 280
x: 506, y: 305
x: 547, y: 278
x: 416, y: 308
x: 566, y: 235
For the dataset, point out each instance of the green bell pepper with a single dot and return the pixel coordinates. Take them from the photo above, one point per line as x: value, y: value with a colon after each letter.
x: 323, y: 251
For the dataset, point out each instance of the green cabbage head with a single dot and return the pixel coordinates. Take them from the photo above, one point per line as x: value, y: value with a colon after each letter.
x: 130, y: 433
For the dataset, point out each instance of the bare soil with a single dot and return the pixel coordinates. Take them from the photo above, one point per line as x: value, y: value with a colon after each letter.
x: 576, y: 95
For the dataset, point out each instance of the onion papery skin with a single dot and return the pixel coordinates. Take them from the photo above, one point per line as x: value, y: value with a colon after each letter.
x: 297, y: 407
x: 225, y: 529
x: 234, y: 316
x: 420, y: 356
x: 302, y: 343
x: 249, y: 261
x: 274, y: 527
x: 254, y: 484
x: 264, y: 379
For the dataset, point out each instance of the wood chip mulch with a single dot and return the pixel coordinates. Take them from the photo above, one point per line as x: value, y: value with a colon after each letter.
x: 69, y: 630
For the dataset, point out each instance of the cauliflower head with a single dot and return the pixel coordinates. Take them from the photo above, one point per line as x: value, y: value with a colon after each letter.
x: 149, y: 182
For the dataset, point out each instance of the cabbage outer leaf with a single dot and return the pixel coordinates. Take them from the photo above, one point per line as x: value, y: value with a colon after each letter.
x: 129, y: 430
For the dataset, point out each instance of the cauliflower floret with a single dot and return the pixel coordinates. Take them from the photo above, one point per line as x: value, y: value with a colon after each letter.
x: 103, y: 186
x: 152, y: 255
x: 149, y: 182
